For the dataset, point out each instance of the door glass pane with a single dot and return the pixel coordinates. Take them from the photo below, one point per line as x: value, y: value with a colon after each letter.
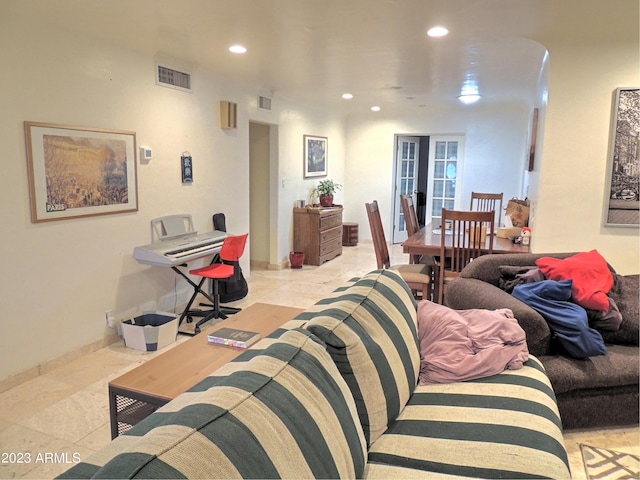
x: 438, y: 188
x: 452, y: 150
x: 405, y: 149
x: 438, y: 171
x: 441, y: 150
x: 452, y: 170
x: 450, y: 189
x: 437, y: 207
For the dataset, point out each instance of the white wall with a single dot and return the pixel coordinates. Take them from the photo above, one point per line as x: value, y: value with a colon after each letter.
x: 495, y: 151
x: 60, y: 277
x: 294, y: 123
x: 569, y: 199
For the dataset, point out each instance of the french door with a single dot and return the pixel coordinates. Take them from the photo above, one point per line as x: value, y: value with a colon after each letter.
x: 407, y: 151
x: 446, y: 154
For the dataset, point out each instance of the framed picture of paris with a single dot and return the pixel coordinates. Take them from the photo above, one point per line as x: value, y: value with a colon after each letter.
x: 80, y: 172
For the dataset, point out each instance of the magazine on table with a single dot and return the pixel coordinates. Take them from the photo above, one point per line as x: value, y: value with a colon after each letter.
x: 234, y: 337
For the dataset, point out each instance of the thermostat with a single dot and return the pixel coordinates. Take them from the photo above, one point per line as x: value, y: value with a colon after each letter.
x: 145, y: 153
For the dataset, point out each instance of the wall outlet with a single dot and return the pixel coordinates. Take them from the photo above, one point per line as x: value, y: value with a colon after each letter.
x: 108, y: 316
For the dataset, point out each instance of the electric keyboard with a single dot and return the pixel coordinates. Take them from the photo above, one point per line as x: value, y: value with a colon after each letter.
x: 176, y: 251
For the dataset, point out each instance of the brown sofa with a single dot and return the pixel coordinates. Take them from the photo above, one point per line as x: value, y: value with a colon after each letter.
x: 593, y: 392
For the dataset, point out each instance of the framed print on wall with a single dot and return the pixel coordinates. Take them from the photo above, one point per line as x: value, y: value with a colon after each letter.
x: 315, y: 156
x: 80, y: 172
x: 623, y: 167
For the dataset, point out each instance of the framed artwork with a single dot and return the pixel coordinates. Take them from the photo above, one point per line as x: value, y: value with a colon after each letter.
x: 623, y: 167
x: 315, y: 156
x: 186, y: 165
x: 80, y: 172
x: 534, y: 135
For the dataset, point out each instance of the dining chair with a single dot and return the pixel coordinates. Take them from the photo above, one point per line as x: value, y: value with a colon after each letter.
x: 484, y: 202
x: 418, y: 276
x: 413, y: 225
x: 466, y: 242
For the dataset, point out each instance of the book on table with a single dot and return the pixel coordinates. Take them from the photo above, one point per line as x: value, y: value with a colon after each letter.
x: 234, y: 337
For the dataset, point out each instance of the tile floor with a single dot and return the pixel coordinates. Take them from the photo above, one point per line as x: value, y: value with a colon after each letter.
x: 64, y: 414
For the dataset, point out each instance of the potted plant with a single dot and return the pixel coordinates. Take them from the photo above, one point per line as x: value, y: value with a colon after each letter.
x: 325, y: 190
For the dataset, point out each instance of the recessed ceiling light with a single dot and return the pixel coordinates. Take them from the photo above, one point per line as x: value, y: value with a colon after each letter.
x: 347, y: 96
x: 375, y: 108
x: 237, y: 49
x: 437, y: 31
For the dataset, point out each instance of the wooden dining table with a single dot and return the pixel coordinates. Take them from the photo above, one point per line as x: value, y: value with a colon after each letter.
x: 426, y: 241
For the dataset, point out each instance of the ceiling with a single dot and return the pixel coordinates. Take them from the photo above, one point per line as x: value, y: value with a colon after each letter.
x: 315, y: 50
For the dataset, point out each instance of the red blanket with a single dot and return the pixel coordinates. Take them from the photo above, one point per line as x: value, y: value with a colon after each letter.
x: 592, y: 279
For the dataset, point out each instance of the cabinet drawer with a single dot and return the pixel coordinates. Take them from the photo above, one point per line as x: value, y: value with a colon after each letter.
x: 330, y: 221
x: 330, y: 234
x: 330, y: 246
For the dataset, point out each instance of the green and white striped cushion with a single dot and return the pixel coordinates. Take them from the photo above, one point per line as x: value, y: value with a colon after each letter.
x: 371, y: 333
x: 286, y: 414
x: 504, y: 426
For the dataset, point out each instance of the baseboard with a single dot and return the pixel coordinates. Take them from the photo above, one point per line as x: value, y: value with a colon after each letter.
x: 45, y: 367
x: 259, y: 264
x: 263, y: 265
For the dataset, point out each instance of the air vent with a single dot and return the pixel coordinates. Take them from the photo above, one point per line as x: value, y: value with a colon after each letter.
x: 168, y: 77
x: 264, y: 103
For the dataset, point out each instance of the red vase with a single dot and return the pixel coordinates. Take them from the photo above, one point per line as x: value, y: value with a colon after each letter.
x: 326, y: 200
x: 296, y: 259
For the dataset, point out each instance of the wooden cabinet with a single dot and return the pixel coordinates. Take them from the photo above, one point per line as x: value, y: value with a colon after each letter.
x: 318, y: 233
x: 349, y: 234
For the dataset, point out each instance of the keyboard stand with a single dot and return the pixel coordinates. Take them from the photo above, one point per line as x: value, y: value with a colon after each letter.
x: 187, y: 312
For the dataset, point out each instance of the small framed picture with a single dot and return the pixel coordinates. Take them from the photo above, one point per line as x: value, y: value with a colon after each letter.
x: 186, y: 165
x: 315, y: 156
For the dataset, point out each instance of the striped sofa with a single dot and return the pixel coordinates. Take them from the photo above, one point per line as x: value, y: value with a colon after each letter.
x: 332, y: 394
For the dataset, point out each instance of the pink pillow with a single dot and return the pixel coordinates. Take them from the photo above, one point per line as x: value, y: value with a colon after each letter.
x: 592, y: 279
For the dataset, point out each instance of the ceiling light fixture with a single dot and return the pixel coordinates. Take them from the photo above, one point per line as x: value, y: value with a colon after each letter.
x: 469, y: 92
x: 468, y: 99
x: 347, y: 96
x: 375, y: 108
x: 438, y: 31
x: 237, y: 49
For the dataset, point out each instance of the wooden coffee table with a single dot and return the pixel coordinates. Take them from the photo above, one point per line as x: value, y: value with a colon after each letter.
x: 141, y: 391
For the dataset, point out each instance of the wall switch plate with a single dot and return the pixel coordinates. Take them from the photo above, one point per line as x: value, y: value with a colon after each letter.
x: 109, y: 318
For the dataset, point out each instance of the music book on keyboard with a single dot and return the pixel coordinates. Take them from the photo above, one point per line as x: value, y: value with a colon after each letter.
x: 234, y: 337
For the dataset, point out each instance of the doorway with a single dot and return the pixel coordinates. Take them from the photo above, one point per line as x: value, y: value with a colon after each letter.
x: 429, y: 167
x: 259, y: 194
x: 445, y: 165
x: 411, y: 177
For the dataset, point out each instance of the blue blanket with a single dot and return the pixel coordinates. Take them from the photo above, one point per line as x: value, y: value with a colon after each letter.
x: 567, y: 320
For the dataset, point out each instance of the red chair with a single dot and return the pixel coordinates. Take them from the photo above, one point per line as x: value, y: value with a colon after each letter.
x: 232, y: 250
